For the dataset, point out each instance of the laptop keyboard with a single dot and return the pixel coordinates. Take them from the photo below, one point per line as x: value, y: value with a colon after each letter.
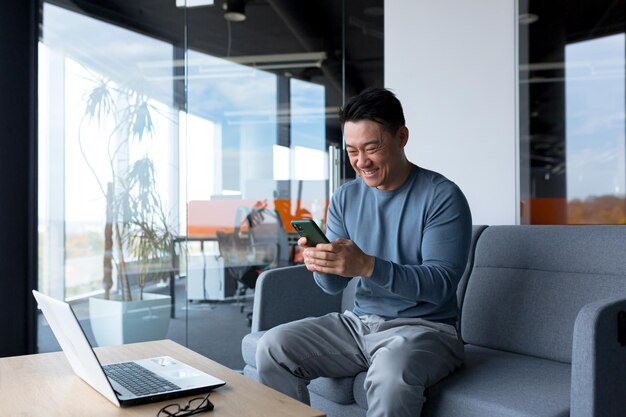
x: 138, y: 379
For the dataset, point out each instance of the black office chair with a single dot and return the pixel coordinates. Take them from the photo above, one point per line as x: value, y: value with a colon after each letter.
x: 259, y: 242
x: 235, y: 250
x: 267, y: 234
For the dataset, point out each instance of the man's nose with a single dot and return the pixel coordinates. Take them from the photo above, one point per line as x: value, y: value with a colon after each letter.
x: 362, y: 160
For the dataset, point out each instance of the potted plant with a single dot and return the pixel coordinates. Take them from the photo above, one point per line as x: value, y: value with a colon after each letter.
x: 137, y: 235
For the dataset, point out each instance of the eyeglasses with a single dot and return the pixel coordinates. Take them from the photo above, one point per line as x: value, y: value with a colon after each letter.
x: 194, y: 406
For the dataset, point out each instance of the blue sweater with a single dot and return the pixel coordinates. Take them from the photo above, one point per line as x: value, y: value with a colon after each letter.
x: 420, y: 236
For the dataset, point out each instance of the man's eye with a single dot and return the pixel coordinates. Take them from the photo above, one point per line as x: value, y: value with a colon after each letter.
x: 371, y: 150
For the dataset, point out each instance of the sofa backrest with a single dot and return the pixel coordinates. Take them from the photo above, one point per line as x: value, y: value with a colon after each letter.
x: 477, y: 230
x: 528, y: 284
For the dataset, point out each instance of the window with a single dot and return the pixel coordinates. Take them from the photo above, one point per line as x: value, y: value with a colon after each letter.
x: 157, y: 128
x: 572, y: 107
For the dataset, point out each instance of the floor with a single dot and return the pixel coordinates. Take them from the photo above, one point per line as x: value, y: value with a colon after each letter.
x: 213, y: 329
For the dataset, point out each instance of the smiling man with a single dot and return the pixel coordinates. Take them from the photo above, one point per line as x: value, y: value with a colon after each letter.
x: 404, y: 233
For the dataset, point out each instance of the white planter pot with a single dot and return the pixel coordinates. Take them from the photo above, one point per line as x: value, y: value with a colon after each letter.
x: 116, y: 322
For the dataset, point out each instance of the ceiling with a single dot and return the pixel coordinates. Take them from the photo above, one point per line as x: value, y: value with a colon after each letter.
x: 271, y: 27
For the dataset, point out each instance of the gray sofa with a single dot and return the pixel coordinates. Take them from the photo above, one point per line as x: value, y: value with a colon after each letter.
x: 541, y: 315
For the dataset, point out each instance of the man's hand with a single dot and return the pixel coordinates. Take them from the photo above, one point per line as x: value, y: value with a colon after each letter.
x: 341, y: 257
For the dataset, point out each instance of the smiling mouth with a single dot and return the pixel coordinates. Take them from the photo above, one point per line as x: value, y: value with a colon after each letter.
x: 369, y: 173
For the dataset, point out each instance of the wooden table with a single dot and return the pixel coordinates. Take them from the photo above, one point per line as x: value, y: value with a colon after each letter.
x: 45, y: 385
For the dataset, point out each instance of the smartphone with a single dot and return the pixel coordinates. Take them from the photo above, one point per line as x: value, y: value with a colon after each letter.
x: 310, y: 230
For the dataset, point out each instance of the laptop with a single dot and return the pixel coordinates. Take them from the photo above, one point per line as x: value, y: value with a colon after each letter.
x: 126, y: 383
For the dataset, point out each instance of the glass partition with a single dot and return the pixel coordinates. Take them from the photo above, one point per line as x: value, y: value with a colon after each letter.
x: 572, y: 107
x: 260, y: 104
x: 108, y: 170
x: 176, y: 146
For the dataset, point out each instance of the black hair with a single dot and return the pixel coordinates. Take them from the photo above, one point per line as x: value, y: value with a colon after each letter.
x: 377, y: 104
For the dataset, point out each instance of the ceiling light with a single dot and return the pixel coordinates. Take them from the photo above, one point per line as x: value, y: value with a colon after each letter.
x: 527, y: 18
x: 193, y: 3
x: 282, y: 61
x: 234, y: 10
x: 223, y: 67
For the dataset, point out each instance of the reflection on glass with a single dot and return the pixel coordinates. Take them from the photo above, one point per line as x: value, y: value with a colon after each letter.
x: 308, y: 140
x: 595, y: 152
x: 253, y: 157
x: 237, y: 153
x: 227, y: 126
x: 107, y: 199
x: 572, y: 113
x: 240, y: 159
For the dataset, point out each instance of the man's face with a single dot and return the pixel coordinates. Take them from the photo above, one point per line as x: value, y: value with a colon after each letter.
x: 375, y: 154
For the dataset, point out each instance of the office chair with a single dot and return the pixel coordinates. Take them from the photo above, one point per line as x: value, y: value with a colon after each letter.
x: 259, y: 242
x: 267, y: 234
x: 234, y: 250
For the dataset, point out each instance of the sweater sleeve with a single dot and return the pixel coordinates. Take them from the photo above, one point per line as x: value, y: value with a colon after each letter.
x: 445, y: 247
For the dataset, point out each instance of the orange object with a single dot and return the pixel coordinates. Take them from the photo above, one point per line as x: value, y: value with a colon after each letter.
x: 206, y: 217
x: 548, y: 211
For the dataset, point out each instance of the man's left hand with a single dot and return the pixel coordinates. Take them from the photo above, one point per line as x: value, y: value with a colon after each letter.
x: 341, y: 257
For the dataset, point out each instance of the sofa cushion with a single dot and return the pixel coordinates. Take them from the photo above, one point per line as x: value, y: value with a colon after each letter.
x: 251, y: 373
x: 248, y: 347
x: 359, y: 390
x: 336, y: 410
x: 338, y: 390
x: 493, y: 383
x: 529, y: 283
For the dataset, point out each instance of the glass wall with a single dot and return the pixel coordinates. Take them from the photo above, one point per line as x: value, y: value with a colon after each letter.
x: 175, y: 146
x: 572, y: 112
x: 108, y: 164
x: 262, y: 102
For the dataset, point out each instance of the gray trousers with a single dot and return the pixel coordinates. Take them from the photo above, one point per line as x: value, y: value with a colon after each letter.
x: 402, y: 357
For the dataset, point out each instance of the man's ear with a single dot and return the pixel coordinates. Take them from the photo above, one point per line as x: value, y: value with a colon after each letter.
x: 403, y: 135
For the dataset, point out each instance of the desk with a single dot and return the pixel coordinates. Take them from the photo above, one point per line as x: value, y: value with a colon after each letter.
x: 45, y: 385
x: 177, y: 240
x: 211, y: 276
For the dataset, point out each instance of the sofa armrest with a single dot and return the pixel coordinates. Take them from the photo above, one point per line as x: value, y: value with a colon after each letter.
x: 286, y: 294
x: 598, y: 361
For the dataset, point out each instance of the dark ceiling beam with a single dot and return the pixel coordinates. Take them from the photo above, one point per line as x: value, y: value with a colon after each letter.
x: 301, y: 29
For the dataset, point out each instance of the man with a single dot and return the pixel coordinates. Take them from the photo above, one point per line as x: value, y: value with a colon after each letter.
x: 404, y: 233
